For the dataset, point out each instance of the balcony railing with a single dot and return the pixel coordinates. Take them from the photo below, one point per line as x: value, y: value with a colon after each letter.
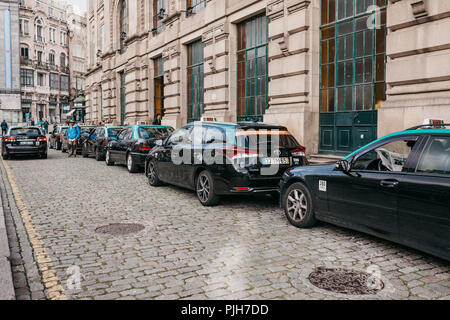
x: 41, y: 65
x: 25, y: 61
x: 39, y: 38
x: 64, y: 69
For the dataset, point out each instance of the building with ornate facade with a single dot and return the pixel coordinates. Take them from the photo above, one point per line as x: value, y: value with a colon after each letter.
x: 337, y: 73
x: 44, y: 62
x: 9, y: 62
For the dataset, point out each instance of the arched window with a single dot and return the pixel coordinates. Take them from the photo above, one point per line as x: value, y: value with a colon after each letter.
x: 39, y: 31
x: 51, y: 58
x: 123, y: 22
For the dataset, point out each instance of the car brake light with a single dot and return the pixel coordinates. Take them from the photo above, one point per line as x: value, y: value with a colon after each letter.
x: 237, y: 152
x: 60, y: 136
x: 9, y: 139
x: 299, y: 152
x: 144, y: 147
x: 42, y: 139
x: 241, y: 189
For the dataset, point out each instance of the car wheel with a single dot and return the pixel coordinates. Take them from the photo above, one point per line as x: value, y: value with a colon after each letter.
x: 205, y: 189
x: 131, y: 164
x: 109, y: 162
x: 84, y: 152
x: 298, y: 206
x: 5, y: 156
x: 152, y: 175
x: 58, y: 146
x: 50, y: 146
x: 44, y: 156
x: 63, y: 150
x: 97, y: 155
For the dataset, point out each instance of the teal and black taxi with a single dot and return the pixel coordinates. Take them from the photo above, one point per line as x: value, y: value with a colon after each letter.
x: 396, y: 188
x: 133, y: 143
x: 95, y: 144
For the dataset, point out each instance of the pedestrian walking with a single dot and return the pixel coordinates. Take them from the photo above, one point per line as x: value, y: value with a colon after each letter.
x: 73, y: 134
x: 4, y: 128
x: 157, y: 121
x: 46, y: 126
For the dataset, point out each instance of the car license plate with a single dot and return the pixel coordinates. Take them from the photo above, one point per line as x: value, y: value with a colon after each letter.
x: 272, y: 161
x: 27, y: 143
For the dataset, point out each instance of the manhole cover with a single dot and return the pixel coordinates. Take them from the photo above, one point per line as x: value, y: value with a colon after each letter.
x: 346, y: 281
x: 120, y: 229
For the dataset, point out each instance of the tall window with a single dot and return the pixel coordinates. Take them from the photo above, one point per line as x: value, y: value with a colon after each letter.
x: 252, y: 69
x: 39, y: 31
x: 159, y: 11
x: 123, y: 22
x: 352, y: 51
x: 195, y: 80
x: 196, y: 5
x: 62, y: 60
x: 26, y: 78
x: 53, y: 81
x: 41, y: 79
x: 102, y: 38
x: 24, y: 53
x: 51, y: 58
x: 64, y: 83
x: 159, y: 87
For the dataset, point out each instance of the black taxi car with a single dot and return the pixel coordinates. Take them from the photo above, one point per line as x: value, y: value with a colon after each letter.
x: 55, y: 138
x: 217, y: 159
x: 396, y: 188
x: 96, y: 143
x: 24, y: 141
x: 133, y: 144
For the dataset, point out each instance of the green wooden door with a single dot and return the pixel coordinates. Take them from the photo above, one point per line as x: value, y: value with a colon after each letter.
x: 123, y: 94
x: 352, y: 73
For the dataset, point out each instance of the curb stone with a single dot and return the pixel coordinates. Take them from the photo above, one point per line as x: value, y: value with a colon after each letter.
x: 6, y: 280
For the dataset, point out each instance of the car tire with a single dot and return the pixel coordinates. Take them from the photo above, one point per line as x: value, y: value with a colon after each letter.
x: 152, y: 175
x: 131, y: 164
x: 97, y: 155
x: 204, y: 187
x: 108, y: 160
x: 50, y: 146
x: 58, y: 146
x: 63, y: 150
x: 5, y: 156
x: 84, y: 152
x: 44, y: 156
x: 298, y: 206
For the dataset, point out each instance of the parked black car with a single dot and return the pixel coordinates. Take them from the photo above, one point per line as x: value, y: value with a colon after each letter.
x: 85, y: 132
x: 21, y: 141
x: 396, y: 188
x: 217, y: 159
x: 55, y: 139
x: 133, y: 144
x: 96, y: 143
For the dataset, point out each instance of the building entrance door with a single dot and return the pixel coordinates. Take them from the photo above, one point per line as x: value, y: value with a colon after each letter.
x: 352, y: 73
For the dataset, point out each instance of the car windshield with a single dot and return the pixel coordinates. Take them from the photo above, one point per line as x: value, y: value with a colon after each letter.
x: 255, y: 139
x: 86, y: 129
x: 29, y: 132
x: 154, y: 133
x: 113, y: 132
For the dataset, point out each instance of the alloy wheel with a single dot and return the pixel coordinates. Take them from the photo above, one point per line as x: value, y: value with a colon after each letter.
x: 151, y: 173
x: 297, y: 205
x: 203, y: 188
x: 129, y: 162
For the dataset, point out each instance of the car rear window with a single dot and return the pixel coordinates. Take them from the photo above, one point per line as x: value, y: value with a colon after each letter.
x: 260, y: 138
x: 154, y: 133
x: 29, y: 132
x: 86, y: 129
x: 113, y: 132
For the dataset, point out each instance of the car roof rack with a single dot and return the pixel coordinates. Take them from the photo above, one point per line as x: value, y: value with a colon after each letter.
x: 430, y: 126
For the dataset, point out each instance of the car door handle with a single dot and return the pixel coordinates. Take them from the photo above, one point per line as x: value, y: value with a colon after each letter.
x: 389, y: 183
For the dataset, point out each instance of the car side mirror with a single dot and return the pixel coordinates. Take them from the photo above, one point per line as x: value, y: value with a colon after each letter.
x: 344, y: 165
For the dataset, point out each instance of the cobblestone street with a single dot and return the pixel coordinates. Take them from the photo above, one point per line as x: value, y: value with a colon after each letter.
x: 242, y: 249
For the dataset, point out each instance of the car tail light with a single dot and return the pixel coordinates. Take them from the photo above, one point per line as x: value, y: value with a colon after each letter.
x: 9, y: 139
x: 237, y: 152
x: 299, y: 152
x: 241, y: 189
x: 42, y: 139
x: 60, y: 136
x: 144, y: 147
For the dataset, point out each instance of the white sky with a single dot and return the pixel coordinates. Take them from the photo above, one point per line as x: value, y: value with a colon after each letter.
x: 80, y: 6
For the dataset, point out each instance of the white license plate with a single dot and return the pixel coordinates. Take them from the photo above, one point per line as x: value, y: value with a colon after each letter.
x: 27, y: 143
x: 271, y: 161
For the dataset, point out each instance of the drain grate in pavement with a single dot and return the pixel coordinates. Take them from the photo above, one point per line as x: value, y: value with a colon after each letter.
x: 120, y: 229
x: 345, y: 281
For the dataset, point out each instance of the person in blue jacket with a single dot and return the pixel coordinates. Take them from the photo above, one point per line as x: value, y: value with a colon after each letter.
x: 73, y: 134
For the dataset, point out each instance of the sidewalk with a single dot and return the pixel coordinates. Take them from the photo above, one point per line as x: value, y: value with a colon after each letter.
x: 6, y: 281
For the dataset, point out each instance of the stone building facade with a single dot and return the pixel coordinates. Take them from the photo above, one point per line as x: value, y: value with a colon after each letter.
x: 9, y: 62
x: 337, y: 73
x: 44, y: 62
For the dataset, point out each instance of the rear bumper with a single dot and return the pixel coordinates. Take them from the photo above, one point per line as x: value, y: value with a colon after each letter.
x: 20, y: 150
x: 139, y: 158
